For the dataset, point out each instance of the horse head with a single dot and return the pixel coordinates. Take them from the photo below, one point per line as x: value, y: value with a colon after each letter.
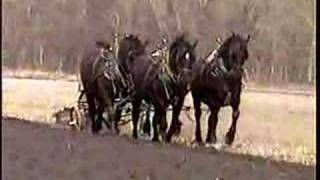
x: 104, y: 48
x: 234, y: 51
x: 129, y: 47
x: 181, y: 59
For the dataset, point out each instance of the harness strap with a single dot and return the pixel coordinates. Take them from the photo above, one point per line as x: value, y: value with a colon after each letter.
x: 165, y: 79
x: 219, y: 68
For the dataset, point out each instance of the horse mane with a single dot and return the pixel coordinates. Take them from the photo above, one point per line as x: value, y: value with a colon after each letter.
x: 179, y: 41
x: 233, y: 38
x: 139, y: 47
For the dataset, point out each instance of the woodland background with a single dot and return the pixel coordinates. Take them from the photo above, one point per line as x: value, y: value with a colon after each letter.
x: 50, y: 35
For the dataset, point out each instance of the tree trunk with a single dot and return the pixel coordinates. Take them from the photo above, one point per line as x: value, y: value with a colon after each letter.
x: 286, y: 73
x: 41, y: 53
x: 60, y: 64
x: 272, y: 72
x: 311, y: 60
x: 116, y: 25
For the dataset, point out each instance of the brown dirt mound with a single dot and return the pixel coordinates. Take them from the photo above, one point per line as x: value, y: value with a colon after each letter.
x: 34, y: 151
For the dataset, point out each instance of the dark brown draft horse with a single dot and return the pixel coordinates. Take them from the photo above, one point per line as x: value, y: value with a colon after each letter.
x: 214, y: 80
x: 181, y: 59
x: 101, y: 81
x: 151, y: 83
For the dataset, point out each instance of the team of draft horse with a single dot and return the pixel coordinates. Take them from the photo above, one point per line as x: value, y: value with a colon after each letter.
x: 136, y: 76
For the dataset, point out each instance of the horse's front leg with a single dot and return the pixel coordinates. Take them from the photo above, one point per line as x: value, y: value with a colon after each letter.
x: 235, y: 103
x: 197, y: 114
x: 175, y: 126
x: 92, y: 113
x: 212, y: 125
x: 232, y: 130
x: 158, y: 120
x: 136, y: 103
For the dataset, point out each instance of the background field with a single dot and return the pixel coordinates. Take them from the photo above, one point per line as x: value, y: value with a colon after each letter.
x: 276, y: 126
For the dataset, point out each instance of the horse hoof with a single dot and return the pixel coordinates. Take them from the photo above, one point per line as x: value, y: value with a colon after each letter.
x: 211, y: 140
x: 168, y: 139
x: 229, y: 139
x: 135, y: 136
x: 209, y: 145
x: 95, y: 129
x: 196, y: 144
x: 199, y: 140
x: 155, y: 139
x: 108, y: 125
x: 219, y: 146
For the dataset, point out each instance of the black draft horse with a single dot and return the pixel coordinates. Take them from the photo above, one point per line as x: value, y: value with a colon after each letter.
x: 102, y: 83
x: 214, y: 80
x: 151, y: 83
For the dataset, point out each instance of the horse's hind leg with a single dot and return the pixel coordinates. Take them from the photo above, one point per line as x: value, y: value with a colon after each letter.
x: 92, y: 113
x: 232, y: 130
x: 175, y: 127
x: 135, y: 116
x: 163, y: 124
x: 100, y: 118
x: 117, y: 118
x: 146, y: 125
x: 156, y: 119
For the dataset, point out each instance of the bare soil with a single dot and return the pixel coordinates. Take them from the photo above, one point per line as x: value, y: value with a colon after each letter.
x: 36, y: 151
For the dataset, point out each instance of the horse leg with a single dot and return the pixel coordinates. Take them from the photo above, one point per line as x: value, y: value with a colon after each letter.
x: 232, y: 130
x: 100, y: 118
x: 117, y: 119
x: 156, y: 119
x: 111, y: 114
x: 175, y: 126
x: 197, y: 113
x: 146, y: 125
x: 163, y: 123
x: 135, y: 116
x: 212, y: 125
x: 92, y: 113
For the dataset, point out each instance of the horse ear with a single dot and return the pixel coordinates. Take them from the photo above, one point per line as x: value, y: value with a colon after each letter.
x: 232, y: 33
x: 219, y: 40
x: 248, y: 38
x: 194, y: 44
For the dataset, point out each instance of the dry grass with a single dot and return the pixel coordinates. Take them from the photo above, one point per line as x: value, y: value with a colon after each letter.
x: 37, y: 99
x: 272, y: 126
x: 37, y: 74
